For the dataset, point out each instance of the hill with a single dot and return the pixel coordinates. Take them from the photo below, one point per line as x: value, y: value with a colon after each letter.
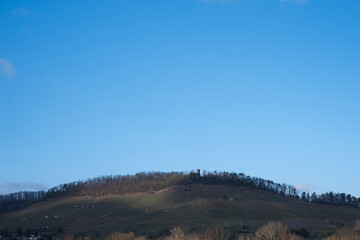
x: 192, y: 206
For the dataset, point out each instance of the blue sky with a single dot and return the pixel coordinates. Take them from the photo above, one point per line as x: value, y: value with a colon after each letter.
x: 267, y: 87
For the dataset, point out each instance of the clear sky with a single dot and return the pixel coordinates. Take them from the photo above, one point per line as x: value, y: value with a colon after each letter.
x: 270, y: 88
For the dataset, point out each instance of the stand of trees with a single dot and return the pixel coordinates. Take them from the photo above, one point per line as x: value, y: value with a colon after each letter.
x: 14, y: 201
x: 105, y: 185
x: 154, y: 181
x: 334, y: 199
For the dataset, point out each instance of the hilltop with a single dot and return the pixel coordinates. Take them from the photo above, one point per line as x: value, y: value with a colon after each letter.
x: 153, y: 209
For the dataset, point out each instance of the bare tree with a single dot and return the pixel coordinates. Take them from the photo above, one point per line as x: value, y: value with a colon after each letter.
x: 217, y: 233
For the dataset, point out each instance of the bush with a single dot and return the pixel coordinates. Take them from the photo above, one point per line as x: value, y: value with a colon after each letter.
x: 272, y: 231
x: 347, y: 233
x: 124, y: 236
x: 176, y: 234
x: 217, y: 233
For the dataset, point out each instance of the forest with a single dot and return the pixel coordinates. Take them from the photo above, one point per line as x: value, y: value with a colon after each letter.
x: 154, y: 181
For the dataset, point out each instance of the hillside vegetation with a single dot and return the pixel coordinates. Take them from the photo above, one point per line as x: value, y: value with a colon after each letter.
x: 152, y: 204
x: 191, y: 206
x: 154, y: 181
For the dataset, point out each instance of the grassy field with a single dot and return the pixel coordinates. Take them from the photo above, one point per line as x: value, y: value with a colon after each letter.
x: 191, y: 207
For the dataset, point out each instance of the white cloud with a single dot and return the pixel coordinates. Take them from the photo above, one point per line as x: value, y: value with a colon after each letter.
x: 6, y: 68
x: 9, y: 187
x: 20, y: 11
x: 304, y: 187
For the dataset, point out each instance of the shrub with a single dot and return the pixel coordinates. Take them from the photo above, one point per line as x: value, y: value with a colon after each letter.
x: 272, y: 231
x: 217, y: 233
x: 124, y: 236
x: 176, y: 234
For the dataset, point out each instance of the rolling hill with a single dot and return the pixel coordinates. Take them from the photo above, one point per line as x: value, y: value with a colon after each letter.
x: 191, y: 206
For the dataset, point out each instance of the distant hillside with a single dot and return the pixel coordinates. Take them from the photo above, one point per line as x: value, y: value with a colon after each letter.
x: 155, y: 181
x: 192, y: 206
x: 152, y: 203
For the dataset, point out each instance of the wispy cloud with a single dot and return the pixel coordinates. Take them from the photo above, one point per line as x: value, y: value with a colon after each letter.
x: 57, y: 84
x: 296, y: 1
x: 305, y: 187
x: 20, y: 11
x: 6, y: 68
x: 9, y: 187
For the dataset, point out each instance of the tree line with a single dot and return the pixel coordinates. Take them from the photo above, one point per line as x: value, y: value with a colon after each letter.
x: 14, y: 201
x: 334, y: 199
x: 154, y: 181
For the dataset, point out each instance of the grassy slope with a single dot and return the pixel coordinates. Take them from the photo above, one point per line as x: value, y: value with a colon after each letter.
x: 190, y: 206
